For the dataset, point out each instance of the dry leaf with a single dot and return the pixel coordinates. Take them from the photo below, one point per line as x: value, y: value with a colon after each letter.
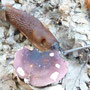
x: 87, y: 4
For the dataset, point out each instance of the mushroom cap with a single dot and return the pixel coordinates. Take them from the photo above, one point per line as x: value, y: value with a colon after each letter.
x: 41, y: 68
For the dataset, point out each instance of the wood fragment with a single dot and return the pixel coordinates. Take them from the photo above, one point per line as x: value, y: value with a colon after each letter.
x: 75, y: 49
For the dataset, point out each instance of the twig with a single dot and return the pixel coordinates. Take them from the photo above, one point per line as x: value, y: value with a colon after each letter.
x: 75, y: 49
x: 81, y: 70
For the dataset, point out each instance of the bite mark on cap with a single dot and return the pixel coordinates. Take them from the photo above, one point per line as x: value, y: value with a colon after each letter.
x: 57, y: 65
x: 20, y: 71
x: 51, y: 54
x: 54, y: 75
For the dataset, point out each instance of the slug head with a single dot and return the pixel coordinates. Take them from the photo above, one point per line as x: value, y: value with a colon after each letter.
x: 48, y: 43
x: 43, y: 39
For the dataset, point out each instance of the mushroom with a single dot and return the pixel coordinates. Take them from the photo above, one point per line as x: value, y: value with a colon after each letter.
x: 40, y: 68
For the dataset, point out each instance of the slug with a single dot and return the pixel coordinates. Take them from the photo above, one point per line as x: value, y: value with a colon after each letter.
x: 40, y: 37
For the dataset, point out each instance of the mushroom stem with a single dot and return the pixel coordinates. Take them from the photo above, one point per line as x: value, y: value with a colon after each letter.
x: 75, y: 49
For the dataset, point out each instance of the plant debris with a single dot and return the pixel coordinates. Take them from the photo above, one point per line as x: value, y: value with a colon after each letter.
x: 69, y: 22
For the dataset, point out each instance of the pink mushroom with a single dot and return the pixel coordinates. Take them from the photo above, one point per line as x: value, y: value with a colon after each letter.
x: 41, y: 68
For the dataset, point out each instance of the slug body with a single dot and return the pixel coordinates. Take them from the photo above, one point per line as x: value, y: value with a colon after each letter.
x: 31, y: 28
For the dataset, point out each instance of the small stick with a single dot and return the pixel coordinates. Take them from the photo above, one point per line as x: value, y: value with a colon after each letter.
x: 81, y: 70
x: 75, y: 49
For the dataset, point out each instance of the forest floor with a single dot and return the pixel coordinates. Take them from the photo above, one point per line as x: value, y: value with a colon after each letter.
x: 68, y: 20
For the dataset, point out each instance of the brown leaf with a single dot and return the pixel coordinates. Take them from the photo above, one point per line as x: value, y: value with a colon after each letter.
x: 87, y: 4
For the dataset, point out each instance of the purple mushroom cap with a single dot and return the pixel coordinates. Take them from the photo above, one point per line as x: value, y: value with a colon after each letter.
x: 41, y: 68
